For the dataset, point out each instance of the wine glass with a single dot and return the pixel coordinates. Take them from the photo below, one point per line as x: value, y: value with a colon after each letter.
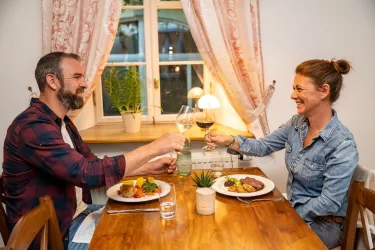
x: 205, y: 118
x: 185, y: 120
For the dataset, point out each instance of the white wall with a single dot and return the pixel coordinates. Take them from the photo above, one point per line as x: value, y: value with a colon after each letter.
x: 299, y: 30
x: 292, y: 31
x: 20, y: 49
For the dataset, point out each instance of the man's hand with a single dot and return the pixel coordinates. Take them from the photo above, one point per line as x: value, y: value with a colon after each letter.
x: 163, y: 165
x: 167, y: 143
x: 139, y: 157
x: 159, y: 166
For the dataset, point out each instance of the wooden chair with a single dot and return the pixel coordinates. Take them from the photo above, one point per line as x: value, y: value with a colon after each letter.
x: 40, y: 219
x: 359, y: 199
x: 3, y: 217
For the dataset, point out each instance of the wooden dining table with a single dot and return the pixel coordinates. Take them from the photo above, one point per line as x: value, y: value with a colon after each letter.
x: 234, y: 225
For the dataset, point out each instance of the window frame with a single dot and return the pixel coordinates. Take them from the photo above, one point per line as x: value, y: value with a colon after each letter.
x: 150, y: 14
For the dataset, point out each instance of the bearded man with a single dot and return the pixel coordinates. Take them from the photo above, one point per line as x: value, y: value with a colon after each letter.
x: 45, y: 155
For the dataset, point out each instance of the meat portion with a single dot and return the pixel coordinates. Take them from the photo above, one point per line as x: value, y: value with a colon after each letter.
x: 258, y: 185
x: 228, y: 183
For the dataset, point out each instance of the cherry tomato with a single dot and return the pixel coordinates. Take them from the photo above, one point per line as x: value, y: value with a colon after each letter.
x: 136, y: 195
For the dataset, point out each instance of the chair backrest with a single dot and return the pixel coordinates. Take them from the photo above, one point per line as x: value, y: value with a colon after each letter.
x: 40, y: 219
x: 3, y: 217
x: 359, y: 199
x: 360, y: 173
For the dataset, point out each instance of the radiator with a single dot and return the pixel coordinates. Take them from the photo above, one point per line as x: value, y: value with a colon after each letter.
x: 201, y: 161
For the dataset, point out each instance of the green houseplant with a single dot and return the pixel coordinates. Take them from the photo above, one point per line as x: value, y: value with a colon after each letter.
x: 125, y: 91
x: 204, y: 180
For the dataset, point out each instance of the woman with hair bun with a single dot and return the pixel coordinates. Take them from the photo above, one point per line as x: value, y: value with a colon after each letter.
x: 320, y: 152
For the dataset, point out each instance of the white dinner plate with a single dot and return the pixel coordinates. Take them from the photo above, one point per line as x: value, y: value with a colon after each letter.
x: 112, y: 193
x: 219, y: 187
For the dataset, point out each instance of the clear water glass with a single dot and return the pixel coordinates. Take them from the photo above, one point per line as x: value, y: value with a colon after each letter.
x: 167, y: 204
x: 217, y: 166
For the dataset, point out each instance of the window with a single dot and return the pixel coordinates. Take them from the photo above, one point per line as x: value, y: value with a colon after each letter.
x: 154, y: 36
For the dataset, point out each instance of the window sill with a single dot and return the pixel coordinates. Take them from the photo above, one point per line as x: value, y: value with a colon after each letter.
x: 114, y: 133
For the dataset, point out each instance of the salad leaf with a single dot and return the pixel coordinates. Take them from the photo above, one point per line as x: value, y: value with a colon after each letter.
x: 148, y: 186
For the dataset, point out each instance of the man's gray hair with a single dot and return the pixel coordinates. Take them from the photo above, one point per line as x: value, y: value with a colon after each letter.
x: 50, y: 64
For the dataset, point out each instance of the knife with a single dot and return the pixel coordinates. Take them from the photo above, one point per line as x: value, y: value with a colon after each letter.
x: 133, y: 210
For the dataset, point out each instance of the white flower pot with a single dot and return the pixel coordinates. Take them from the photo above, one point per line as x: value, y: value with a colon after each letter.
x: 205, y: 201
x: 132, y: 122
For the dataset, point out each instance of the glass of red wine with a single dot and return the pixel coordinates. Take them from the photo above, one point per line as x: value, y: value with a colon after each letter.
x: 204, y: 118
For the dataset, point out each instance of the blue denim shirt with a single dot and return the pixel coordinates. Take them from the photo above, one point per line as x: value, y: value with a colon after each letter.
x: 320, y: 173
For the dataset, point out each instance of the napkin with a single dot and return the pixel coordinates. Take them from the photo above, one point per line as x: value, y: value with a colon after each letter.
x: 87, y: 228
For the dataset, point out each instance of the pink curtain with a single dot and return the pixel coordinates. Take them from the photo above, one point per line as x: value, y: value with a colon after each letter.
x: 85, y: 27
x: 227, y: 34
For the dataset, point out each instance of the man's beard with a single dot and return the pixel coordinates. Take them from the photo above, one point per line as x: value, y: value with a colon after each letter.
x: 70, y: 100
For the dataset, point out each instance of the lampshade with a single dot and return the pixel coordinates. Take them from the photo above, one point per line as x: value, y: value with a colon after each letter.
x: 195, y: 92
x: 208, y: 101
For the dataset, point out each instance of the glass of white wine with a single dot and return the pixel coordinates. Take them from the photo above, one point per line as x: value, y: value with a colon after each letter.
x: 185, y: 120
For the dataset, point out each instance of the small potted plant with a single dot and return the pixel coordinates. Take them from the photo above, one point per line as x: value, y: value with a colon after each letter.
x: 205, y: 195
x: 125, y: 91
x: 204, y: 180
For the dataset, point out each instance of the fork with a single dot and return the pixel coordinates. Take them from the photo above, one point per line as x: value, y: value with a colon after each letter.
x: 251, y: 201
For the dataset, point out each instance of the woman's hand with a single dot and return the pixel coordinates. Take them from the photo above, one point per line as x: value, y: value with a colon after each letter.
x: 214, y: 138
x: 218, y: 139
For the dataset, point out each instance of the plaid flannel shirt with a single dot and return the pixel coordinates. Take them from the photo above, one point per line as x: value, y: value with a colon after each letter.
x: 38, y: 162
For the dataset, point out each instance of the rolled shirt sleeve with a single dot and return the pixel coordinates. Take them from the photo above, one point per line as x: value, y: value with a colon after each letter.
x: 264, y: 146
x: 42, y: 146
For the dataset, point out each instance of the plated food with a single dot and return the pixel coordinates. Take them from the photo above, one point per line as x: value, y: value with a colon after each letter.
x: 244, y: 185
x: 261, y: 185
x: 118, y: 193
x: 140, y: 188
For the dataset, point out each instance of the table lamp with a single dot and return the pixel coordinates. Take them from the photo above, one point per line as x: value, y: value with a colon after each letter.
x: 208, y: 101
x: 194, y: 93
